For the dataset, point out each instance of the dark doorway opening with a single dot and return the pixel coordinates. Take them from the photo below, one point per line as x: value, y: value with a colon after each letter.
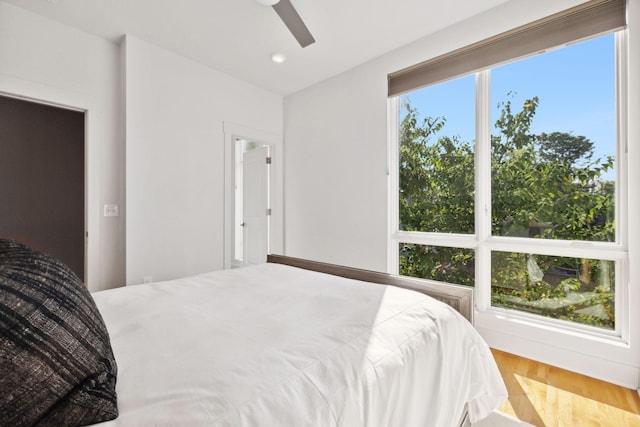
x: 42, y: 172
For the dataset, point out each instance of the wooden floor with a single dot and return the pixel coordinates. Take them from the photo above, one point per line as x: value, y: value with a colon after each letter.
x: 546, y: 396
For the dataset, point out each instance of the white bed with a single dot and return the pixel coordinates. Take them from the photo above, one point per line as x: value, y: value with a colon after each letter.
x: 274, y: 345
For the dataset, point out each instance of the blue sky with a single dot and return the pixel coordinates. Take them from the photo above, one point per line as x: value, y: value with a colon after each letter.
x: 576, y: 87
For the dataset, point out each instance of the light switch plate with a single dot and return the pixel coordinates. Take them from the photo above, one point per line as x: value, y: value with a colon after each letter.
x: 111, y: 210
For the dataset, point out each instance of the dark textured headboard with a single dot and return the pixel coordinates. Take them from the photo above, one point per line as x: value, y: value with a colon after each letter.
x: 459, y: 297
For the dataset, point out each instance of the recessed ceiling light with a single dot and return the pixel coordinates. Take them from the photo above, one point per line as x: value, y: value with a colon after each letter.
x: 278, y: 57
x: 268, y: 2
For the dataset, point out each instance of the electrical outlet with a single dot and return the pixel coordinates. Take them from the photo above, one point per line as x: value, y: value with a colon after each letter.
x: 147, y: 279
x: 111, y: 210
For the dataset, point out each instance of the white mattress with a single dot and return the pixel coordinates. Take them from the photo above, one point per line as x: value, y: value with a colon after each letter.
x: 273, y: 345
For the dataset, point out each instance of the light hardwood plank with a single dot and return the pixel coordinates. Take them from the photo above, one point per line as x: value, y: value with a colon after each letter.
x: 546, y: 396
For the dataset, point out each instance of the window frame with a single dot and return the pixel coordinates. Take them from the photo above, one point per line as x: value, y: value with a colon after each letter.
x: 484, y: 243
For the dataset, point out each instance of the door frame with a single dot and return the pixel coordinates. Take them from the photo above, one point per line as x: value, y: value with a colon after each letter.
x: 232, y: 131
x: 43, y: 94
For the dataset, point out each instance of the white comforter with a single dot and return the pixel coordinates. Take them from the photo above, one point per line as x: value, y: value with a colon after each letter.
x: 272, y: 345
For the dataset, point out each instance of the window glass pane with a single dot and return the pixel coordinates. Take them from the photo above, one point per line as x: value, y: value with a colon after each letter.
x: 452, y: 265
x: 553, y: 144
x: 436, y: 176
x: 574, y: 289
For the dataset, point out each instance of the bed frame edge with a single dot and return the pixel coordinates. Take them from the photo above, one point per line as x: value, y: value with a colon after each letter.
x: 457, y: 296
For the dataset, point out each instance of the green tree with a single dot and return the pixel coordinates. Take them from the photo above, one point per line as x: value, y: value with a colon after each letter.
x: 564, y: 147
x: 543, y: 186
x: 548, y: 180
x: 436, y: 195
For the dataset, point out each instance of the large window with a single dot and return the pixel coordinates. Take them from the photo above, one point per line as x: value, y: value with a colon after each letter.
x: 510, y: 180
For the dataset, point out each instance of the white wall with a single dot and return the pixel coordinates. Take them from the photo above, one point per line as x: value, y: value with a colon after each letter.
x: 175, y: 109
x: 336, y: 197
x: 173, y: 138
x: 44, y: 60
x: 336, y: 171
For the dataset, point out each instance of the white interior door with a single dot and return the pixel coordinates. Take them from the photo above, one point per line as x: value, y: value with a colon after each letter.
x: 255, y: 205
x: 239, y: 139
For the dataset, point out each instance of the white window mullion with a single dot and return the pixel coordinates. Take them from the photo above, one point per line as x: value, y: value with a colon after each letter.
x: 622, y: 180
x: 483, y: 189
x: 622, y: 147
x: 450, y: 240
x: 393, y: 146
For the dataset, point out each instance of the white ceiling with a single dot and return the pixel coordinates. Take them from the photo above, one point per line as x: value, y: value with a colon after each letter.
x: 238, y: 36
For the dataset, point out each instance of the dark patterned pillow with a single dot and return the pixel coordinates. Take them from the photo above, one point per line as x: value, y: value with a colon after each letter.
x: 56, y: 363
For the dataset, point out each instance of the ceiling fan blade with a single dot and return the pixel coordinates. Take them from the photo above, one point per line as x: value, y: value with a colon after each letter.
x: 294, y: 23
